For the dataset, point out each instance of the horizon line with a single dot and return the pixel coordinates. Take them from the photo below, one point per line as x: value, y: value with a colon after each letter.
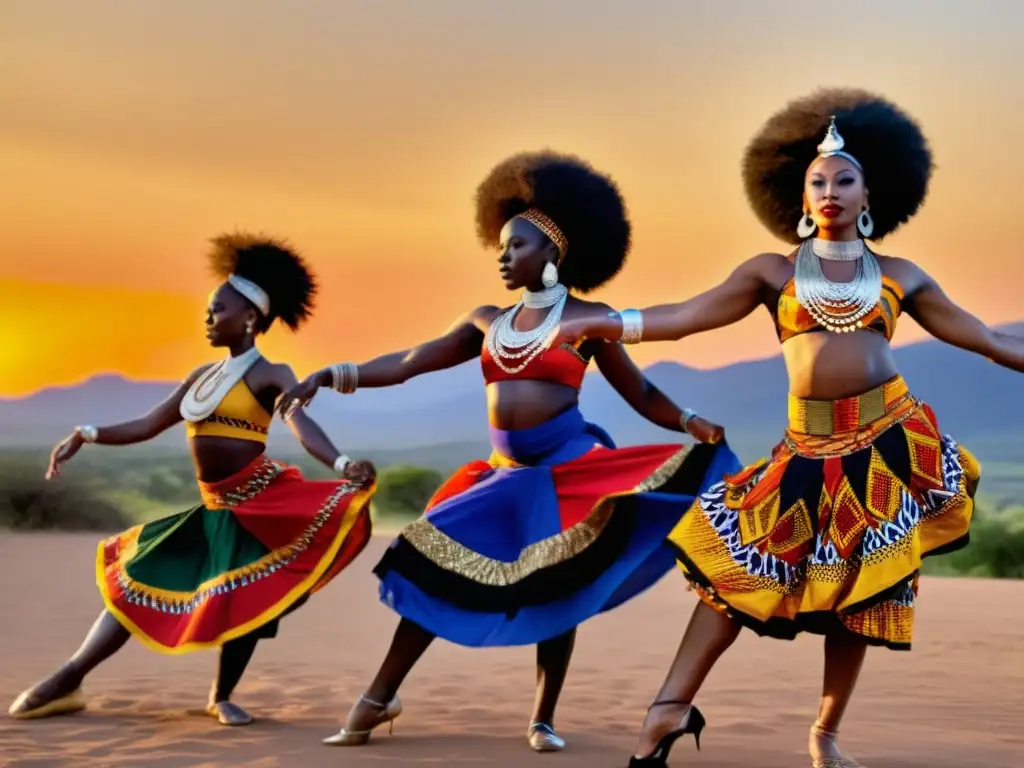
x: 115, y: 375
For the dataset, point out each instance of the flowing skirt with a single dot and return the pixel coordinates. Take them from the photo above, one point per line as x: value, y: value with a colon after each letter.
x: 831, y: 530
x: 261, y: 542
x: 556, y: 527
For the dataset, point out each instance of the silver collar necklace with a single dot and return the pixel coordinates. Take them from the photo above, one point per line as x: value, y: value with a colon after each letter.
x: 838, y: 250
x: 546, y: 297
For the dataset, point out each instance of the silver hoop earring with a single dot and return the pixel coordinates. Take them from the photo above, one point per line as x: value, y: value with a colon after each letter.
x: 550, y: 275
x: 806, y: 227
x: 865, y: 224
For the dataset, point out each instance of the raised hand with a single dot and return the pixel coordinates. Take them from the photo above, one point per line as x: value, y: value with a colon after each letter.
x: 299, y: 395
x: 63, y: 452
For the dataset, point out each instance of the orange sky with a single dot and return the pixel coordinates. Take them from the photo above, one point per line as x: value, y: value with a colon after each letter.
x: 132, y: 131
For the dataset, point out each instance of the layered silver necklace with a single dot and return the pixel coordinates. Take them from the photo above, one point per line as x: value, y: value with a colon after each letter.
x: 838, y: 307
x: 507, y: 345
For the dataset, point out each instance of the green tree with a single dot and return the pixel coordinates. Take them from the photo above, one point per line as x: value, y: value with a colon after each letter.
x: 402, y: 493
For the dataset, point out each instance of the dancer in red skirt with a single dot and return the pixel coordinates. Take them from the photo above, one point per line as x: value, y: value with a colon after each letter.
x: 262, y: 540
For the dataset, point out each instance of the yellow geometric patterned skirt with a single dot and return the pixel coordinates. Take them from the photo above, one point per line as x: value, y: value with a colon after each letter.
x: 831, y: 530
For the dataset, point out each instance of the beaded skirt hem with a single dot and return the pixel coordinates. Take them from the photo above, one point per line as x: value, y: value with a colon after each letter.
x: 258, y: 546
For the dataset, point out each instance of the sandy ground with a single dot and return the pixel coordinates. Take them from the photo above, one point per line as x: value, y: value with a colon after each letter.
x: 956, y: 700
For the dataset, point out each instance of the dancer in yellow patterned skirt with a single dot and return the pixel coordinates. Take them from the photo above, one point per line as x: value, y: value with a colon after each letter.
x: 826, y: 535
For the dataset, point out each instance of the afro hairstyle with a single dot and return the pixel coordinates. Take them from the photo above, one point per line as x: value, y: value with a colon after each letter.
x: 886, y: 141
x: 585, y: 204
x: 275, y: 267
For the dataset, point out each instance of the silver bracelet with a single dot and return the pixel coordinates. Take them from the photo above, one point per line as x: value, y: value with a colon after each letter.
x: 350, y: 379
x: 686, y: 417
x: 341, y: 463
x: 345, y: 378
x: 88, y: 433
x: 632, y: 326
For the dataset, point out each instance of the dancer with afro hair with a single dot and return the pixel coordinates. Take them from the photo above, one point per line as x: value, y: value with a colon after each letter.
x: 558, y: 524
x: 263, y: 539
x: 827, y: 535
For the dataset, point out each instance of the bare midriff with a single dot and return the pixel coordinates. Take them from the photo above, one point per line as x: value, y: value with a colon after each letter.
x: 830, y: 366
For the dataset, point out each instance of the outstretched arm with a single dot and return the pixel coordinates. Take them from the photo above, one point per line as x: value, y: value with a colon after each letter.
x: 161, y: 418
x: 725, y: 304
x: 646, y: 399
x: 938, y: 315
x: 460, y: 343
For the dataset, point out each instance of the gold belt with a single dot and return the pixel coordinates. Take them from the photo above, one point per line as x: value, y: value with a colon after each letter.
x: 831, y: 417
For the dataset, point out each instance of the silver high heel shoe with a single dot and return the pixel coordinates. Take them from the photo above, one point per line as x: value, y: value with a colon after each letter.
x: 388, y: 713
x: 831, y: 762
x: 542, y: 738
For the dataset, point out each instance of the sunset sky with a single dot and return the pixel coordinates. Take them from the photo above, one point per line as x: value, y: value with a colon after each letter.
x: 133, y: 130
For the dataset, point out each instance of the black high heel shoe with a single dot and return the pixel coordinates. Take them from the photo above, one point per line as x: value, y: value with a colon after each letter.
x: 695, y: 723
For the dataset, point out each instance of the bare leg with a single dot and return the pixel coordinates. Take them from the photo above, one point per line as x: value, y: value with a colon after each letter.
x: 553, y: 656
x: 409, y: 643
x: 707, y: 637
x: 844, y: 658
x: 105, y: 638
x: 235, y: 656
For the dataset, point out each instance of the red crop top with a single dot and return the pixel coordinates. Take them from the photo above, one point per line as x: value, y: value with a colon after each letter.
x: 560, y: 365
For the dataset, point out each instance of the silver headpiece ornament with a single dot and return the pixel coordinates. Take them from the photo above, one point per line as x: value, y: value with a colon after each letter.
x: 833, y: 145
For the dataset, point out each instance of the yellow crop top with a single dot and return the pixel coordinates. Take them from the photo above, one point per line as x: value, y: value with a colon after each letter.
x: 791, y: 319
x: 239, y: 415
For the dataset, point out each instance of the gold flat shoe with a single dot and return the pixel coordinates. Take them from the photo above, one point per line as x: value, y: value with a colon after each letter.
x: 542, y: 738
x: 228, y: 713
x: 388, y: 713
x: 65, y: 705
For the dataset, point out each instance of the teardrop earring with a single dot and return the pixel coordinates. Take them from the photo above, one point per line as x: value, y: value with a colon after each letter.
x: 865, y: 224
x: 550, y: 275
x: 806, y: 226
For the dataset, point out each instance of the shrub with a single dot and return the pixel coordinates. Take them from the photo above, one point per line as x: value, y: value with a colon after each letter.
x: 996, y: 549
x: 37, y: 505
x: 402, y: 493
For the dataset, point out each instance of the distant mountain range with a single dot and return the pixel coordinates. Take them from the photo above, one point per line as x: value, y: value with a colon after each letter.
x: 446, y: 411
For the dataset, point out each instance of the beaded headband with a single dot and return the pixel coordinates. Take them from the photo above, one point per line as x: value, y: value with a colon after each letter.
x: 832, y: 145
x: 252, y: 292
x: 544, y: 223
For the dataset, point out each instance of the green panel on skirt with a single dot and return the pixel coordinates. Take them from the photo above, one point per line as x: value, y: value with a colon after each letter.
x: 180, y: 552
